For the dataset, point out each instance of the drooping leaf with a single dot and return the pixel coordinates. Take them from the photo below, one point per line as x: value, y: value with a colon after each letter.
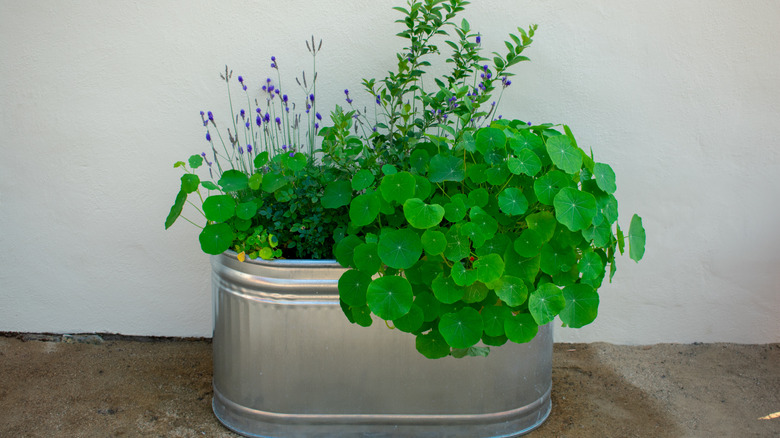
x: 337, y: 194
x: 563, y: 154
x: 233, y: 180
x: 219, y: 208
x: 582, y: 305
x: 512, y: 201
x: 545, y: 302
x: 421, y: 215
x: 210, y: 185
x: 399, y: 249
x: 362, y: 316
x: 636, y: 239
x: 575, y: 209
x: 432, y: 345
x: 176, y: 209
x: 520, y: 328
x: 390, y: 297
x: 216, y: 238
x: 353, y: 285
x: 461, y: 329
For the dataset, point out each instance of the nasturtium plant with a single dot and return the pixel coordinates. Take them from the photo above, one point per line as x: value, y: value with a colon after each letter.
x: 485, y: 228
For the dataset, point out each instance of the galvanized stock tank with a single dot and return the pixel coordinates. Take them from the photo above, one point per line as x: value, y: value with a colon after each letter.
x: 287, y: 363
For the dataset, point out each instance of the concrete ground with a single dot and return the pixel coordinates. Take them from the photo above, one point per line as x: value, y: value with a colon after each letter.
x: 88, y: 386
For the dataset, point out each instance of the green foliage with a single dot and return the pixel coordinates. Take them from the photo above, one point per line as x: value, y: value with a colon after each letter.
x: 498, y: 226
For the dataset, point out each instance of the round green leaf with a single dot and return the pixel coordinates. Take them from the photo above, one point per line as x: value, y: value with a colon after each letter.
x: 463, y: 276
x: 574, y: 208
x: 545, y: 302
x: 390, y: 297
x: 475, y: 293
x: 605, y: 177
x: 512, y: 291
x: 461, y: 329
x: 189, y: 182
x: 433, y: 242
x: 475, y: 233
x: 419, y: 159
x: 446, y: 290
x: 489, y: 138
x: 362, y: 180
x: 246, y: 210
x: 411, y: 322
x: 458, y: 246
x: 556, y: 259
x: 432, y: 345
x: 345, y: 250
x: 521, y: 328
x: 362, y: 316
x: 273, y: 181
x: 455, y: 210
x: 353, y: 285
x: 512, y: 201
x: 476, y: 173
x: 489, y: 268
x: 398, y: 187
x: 526, y: 162
x: 446, y: 168
x: 255, y: 181
x: 195, y: 161
x: 294, y: 163
x: 479, y: 197
x: 543, y: 223
x: 590, y: 266
x: 364, y: 209
x: 430, y: 306
x: 493, y: 318
x: 549, y: 184
x: 528, y: 243
x: 422, y: 188
x: 485, y: 221
x: 422, y: 215
x: 563, y: 154
x: 219, y: 208
x: 233, y: 180
x: 261, y: 159
x: 216, y: 238
x: 337, y: 194
x: 599, y: 235
x: 582, y: 305
x: 498, y: 175
x: 400, y: 249
x: 366, y: 258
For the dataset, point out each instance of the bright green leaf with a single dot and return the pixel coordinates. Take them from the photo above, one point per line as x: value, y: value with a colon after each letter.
x: 605, y: 177
x: 545, y: 302
x: 636, y: 239
x: 352, y: 286
x: 521, y: 328
x: 337, y: 194
x: 390, y: 297
x: 574, y: 208
x: 512, y: 201
x: 446, y: 290
x: 216, y: 238
x: 421, y: 215
x: 364, y: 209
x: 176, y: 209
x: 366, y: 258
x: 233, y: 180
x: 461, y: 329
x: 398, y: 187
x: 432, y: 345
x: 493, y: 318
x: 246, y: 210
x: 563, y: 154
x: 446, y: 168
x: 526, y: 162
x: 219, y: 208
x: 512, y: 291
x: 582, y: 305
x: 399, y: 249
x: 433, y: 242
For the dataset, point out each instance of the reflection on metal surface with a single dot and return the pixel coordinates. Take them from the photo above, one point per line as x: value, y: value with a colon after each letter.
x: 288, y: 363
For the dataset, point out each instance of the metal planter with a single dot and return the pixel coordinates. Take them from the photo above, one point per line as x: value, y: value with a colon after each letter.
x: 287, y: 363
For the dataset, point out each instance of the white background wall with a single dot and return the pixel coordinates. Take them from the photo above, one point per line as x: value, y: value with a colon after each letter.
x: 98, y: 99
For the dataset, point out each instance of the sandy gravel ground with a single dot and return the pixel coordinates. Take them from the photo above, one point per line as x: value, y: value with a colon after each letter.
x: 162, y: 388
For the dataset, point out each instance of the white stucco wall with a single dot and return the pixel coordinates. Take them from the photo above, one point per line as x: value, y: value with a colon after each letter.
x: 98, y: 99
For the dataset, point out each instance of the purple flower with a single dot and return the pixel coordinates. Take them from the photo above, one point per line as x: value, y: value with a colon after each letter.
x: 247, y: 124
x: 208, y: 136
x: 267, y: 118
x: 270, y: 88
x: 378, y: 99
x: 278, y: 121
x: 311, y: 97
x: 241, y: 79
x: 257, y: 110
x: 243, y: 113
x: 479, y: 39
x: 319, y: 117
x: 485, y: 67
x: 284, y: 98
x: 203, y: 154
x: 211, y: 116
x: 316, y: 126
x: 240, y: 150
x: 249, y: 148
x: 259, y: 120
x: 284, y: 147
x: 244, y: 86
x: 292, y: 154
x: 529, y: 123
x: 346, y: 93
x: 202, y: 114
